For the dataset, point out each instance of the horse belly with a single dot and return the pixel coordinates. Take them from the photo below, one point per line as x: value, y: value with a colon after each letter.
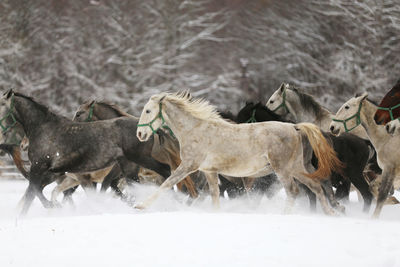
x: 237, y: 166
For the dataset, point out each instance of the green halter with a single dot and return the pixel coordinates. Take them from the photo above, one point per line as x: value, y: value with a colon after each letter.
x: 90, y: 116
x: 9, y: 114
x: 163, y: 124
x: 390, y: 110
x: 357, y: 116
x: 252, y: 118
x: 283, y: 104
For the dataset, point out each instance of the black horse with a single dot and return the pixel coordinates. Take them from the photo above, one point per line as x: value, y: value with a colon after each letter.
x: 351, y: 150
x: 58, y: 145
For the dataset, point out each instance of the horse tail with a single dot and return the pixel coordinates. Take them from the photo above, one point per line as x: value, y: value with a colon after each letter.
x: 326, y: 155
x: 15, y: 152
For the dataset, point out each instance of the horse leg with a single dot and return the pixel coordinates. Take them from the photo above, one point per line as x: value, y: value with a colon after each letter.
x: 343, y: 190
x: 66, y: 184
x: 291, y: 189
x: 114, y: 174
x: 178, y: 175
x: 189, y: 184
x: 68, y: 195
x: 45, y: 202
x: 34, y: 189
x: 327, y: 187
x: 316, y: 187
x: 359, y: 182
x: 386, y: 185
x: 28, y: 198
x: 248, y: 183
x: 311, y: 196
x: 212, y: 180
x: 151, y: 164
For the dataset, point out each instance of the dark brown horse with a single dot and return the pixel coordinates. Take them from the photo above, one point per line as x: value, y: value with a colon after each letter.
x: 389, y: 108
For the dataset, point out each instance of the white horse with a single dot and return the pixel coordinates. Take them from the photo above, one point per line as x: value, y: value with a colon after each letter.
x: 298, y: 106
x: 215, y: 146
x: 359, y: 111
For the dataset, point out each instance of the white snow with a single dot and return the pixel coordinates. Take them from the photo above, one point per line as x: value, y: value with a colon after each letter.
x: 102, y: 231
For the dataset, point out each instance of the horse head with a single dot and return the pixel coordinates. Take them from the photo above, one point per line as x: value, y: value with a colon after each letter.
x: 389, y: 108
x: 85, y: 111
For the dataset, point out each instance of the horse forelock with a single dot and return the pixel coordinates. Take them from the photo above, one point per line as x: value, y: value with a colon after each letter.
x: 198, y: 107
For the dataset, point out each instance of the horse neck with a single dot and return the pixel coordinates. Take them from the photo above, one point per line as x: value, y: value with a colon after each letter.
x: 181, y: 123
x: 29, y: 115
x: 302, y: 114
x: 376, y: 133
x: 262, y: 114
x: 104, y: 112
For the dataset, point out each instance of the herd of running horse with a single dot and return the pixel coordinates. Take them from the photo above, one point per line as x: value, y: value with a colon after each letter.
x: 292, y: 141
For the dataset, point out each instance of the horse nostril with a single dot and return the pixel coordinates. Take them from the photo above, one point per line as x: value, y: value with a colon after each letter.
x: 332, y: 128
x: 139, y: 134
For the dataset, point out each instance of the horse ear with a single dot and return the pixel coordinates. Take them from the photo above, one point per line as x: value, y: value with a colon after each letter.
x: 162, y: 98
x: 8, y: 93
x: 282, y: 88
x: 364, y: 96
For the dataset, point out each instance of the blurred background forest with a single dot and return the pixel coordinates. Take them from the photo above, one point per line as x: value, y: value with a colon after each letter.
x: 63, y: 52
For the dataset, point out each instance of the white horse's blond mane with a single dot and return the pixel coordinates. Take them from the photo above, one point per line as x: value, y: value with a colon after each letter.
x: 199, y: 107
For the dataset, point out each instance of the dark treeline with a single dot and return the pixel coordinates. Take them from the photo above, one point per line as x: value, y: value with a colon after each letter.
x: 63, y: 52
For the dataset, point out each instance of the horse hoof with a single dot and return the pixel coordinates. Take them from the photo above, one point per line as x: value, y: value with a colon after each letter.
x: 140, y: 206
x: 52, y: 205
x: 341, y: 209
x: 391, y: 201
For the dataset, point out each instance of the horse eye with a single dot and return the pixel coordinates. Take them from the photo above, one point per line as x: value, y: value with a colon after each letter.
x: 148, y: 111
x: 346, y: 107
x: 271, y: 102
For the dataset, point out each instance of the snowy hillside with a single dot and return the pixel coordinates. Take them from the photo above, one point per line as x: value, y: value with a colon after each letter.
x: 102, y: 231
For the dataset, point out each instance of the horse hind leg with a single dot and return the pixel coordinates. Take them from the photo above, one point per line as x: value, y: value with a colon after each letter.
x: 66, y: 184
x: 311, y: 196
x: 386, y: 185
x: 317, y: 189
x: 292, y: 191
x: 328, y: 190
x: 362, y: 186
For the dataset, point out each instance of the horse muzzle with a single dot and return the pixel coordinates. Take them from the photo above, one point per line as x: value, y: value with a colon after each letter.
x: 390, y: 130
x: 142, y: 136
x: 334, y: 130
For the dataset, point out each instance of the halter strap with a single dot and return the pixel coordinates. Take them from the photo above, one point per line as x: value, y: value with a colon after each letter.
x: 90, y: 115
x: 8, y: 114
x: 252, y: 118
x: 390, y: 110
x: 163, y: 123
x: 283, y: 104
x: 357, y: 116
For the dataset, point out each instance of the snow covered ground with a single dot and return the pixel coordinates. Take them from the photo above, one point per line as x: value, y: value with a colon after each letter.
x: 102, y: 231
